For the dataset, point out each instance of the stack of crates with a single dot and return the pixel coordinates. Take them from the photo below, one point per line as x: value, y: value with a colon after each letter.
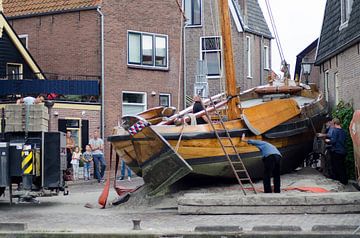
x: 34, y: 117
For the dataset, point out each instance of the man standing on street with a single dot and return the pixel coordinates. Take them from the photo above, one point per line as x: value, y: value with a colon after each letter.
x: 338, y: 152
x: 271, y: 159
x: 97, y: 147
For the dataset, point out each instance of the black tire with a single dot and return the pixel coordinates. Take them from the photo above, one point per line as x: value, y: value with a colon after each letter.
x: 2, y: 190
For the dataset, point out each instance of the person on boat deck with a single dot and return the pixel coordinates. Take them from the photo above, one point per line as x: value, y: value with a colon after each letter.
x: 198, y: 107
x: 338, y: 152
x: 271, y: 159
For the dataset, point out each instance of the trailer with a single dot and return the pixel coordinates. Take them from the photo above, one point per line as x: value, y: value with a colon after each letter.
x: 32, y: 159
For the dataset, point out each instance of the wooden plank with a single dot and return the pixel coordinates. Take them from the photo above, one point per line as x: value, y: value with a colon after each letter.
x: 233, y: 110
x: 163, y: 165
x: 263, y: 117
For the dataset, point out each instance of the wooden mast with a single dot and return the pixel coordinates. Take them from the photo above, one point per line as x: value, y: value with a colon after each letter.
x: 233, y: 110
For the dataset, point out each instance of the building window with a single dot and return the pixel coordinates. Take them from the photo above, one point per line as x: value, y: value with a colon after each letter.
x: 346, y: 6
x: 133, y: 103
x: 211, y: 54
x: 14, y: 71
x: 148, y: 50
x: 164, y: 99
x: 24, y: 40
x: 266, y: 58
x: 248, y: 57
x: 193, y: 12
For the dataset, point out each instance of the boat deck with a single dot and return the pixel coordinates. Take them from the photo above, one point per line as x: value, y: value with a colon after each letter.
x: 301, y: 101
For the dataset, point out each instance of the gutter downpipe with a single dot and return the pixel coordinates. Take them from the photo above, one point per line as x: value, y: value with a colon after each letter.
x: 185, y: 66
x: 262, y: 63
x: 102, y: 74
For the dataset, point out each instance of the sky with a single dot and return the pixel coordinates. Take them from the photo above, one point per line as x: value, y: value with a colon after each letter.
x: 298, y: 24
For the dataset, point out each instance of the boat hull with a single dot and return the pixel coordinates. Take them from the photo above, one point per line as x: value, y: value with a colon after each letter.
x: 199, y: 146
x: 203, y: 153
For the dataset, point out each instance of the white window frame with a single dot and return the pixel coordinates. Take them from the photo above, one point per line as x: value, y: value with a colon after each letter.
x: 21, y: 72
x: 133, y: 104
x: 26, y: 37
x: 337, y: 88
x: 326, y: 85
x: 249, y: 56
x: 346, y: 7
x: 146, y: 66
x: 165, y: 94
x: 211, y: 51
x: 266, y: 58
x: 189, y: 22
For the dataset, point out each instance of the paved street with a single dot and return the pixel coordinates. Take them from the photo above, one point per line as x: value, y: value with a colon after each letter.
x: 68, y: 214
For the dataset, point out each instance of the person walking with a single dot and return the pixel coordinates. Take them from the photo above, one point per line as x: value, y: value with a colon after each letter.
x: 97, y: 148
x: 271, y: 159
x: 123, y: 168
x: 76, y: 155
x: 87, y: 158
x: 337, y: 141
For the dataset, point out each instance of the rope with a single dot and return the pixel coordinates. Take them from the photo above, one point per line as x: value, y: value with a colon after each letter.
x: 277, y: 38
x: 180, y: 137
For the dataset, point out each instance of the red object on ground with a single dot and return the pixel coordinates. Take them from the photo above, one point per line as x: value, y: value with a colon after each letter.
x: 121, y: 190
x: 308, y: 189
x: 105, y: 193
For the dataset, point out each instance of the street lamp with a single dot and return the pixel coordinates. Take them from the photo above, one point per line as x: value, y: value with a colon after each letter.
x: 306, y: 70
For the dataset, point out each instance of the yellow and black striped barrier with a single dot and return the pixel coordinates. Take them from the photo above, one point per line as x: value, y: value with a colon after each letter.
x: 27, y: 162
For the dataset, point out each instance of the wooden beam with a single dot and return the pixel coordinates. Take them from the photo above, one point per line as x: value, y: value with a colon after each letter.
x: 233, y: 110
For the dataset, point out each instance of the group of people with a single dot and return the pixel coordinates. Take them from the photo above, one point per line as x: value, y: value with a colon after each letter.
x: 335, y: 139
x: 94, y: 151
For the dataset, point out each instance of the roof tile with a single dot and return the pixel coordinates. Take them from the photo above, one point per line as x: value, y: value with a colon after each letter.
x: 29, y: 7
x: 332, y: 39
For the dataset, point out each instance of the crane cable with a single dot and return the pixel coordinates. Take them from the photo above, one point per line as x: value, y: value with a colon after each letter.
x: 277, y: 38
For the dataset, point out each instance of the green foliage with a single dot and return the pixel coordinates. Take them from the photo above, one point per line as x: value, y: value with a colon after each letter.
x: 344, y: 112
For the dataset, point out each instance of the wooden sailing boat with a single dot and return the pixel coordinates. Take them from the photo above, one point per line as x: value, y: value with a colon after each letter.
x: 162, y: 153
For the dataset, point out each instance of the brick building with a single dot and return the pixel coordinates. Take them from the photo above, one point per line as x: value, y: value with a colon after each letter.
x: 308, y: 55
x: 135, y: 48
x: 250, y: 38
x: 135, y: 56
x: 338, y: 53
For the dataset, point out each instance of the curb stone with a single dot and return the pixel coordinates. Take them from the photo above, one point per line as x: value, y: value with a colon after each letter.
x: 218, y: 228
x: 277, y: 228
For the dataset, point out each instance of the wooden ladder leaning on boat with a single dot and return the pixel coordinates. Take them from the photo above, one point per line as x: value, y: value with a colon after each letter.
x: 237, y: 166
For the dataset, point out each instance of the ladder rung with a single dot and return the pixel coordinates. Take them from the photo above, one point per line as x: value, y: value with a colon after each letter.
x: 235, y: 162
x: 225, y: 138
x: 241, y: 170
x: 244, y: 179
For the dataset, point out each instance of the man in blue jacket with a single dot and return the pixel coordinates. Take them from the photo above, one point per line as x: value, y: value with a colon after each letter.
x: 271, y: 159
x: 337, y: 141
